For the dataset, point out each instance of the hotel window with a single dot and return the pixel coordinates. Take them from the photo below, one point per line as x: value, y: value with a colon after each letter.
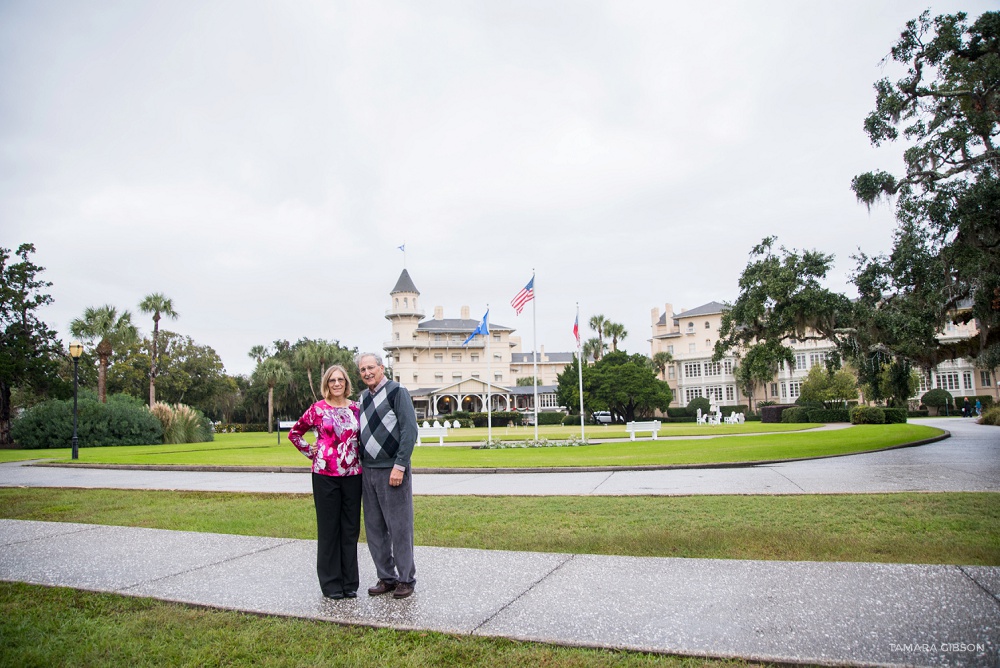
x: 439, y: 357
x: 496, y: 337
x: 984, y: 379
x: 475, y: 357
x: 713, y: 368
x: 691, y: 393
x: 784, y: 390
x: 671, y: 374
x: 924, y: 384
x: 397, y: 302
x: 456, y: 376
x: 439, y: 377
x: 498, y: 377
x: 967, y: 379
x: 708, y: 343
x: 414, y: 378
x: 794, y: 388
x: 456, y: 357
x: 730, y: 393
x: 816, y: 358
x: 437, y: 337
x: 774, y: 389
x: 727, y: 367
x: 692, y: 370
x: 497, y: 357
x: 406, y: 302
x: 708, y: 325
x: 948, y: 381
x: 475, y: 375
x: 800, y: 361
x: 690, y: 328
x: 714, y: 394
x: 547, y: 400
x: 670, y: 349
x: 690, y: 347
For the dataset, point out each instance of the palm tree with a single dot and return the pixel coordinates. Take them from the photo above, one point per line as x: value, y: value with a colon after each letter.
x: 159, y: 306
x: 309, y: 357
x: 617, y: 332
x: 272, y: 372
x: 259, y: 353
x: 597, y: 323
x: 593, y: 347
x: 661, y: 361
x: 110, y: 330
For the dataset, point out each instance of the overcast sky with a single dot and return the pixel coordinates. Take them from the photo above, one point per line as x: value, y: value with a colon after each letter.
x: 260, y: 162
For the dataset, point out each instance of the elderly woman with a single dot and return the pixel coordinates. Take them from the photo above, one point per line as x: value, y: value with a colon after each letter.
x: 336, y: 482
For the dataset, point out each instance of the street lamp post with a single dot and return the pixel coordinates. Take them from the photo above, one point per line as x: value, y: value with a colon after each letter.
x: 75, y: 350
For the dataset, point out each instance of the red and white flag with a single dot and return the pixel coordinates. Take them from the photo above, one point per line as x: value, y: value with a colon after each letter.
x: 526, y: 294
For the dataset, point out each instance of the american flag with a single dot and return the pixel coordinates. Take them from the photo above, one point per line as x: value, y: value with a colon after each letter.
x: 526, y: 294
x: 576, y: 328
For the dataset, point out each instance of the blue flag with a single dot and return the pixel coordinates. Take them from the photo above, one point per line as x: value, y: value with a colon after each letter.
x: 483, y: 329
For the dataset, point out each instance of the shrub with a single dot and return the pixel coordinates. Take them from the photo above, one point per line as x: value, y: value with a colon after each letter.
x: 699, y: 402
x: 867, y: 415
x: 920, y: 413
x: 937, y: 399
x: 773, y: 413
x: 500, y: 419
x: 551, y: 417
x: 123, y: 420
x: 729, y: 410
x: 895, y: 415
x: 795, y: 414
x: 829, y: 415
x: 678, y: 413
x: 990, y: 416
x: 574, y: 420
x: 182, y: 424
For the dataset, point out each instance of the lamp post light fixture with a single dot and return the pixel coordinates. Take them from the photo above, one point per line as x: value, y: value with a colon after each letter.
x: 75, y: 350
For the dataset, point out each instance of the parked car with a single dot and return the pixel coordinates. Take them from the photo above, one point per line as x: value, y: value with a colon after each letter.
x: 602, y: 417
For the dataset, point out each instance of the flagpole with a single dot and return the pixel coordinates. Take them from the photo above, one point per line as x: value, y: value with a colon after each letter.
x: 489, y: 410
x: 534, y: 344
x: 579, y: 364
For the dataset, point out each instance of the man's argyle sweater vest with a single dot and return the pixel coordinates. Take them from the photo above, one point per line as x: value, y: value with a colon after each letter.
x: 382, y: 427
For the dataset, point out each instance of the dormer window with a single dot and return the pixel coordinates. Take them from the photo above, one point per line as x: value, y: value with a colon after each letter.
x: 708, y: 325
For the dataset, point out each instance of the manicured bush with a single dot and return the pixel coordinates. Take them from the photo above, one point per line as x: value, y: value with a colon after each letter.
x: 895, y: 415
x: 867, y: 415
x: 679, y: 419
x: 678, y: 413
x: 123, y: 420
x: 795, y: 414
x: 699, y: 402
x: 773, y: 413
x: 990, y: 416
x: 937, y: 399
x: 920, y: 413
x: 729, y: 410
x: 500, y: 419
x: 829, y: 415
x: 555, y: 417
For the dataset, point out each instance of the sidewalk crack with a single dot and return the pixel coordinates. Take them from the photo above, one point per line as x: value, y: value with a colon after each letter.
x: 779, y: 473
x: 523, y: 593
x: 996, y: 599
x: 203, y: 566
x: 600, y: 484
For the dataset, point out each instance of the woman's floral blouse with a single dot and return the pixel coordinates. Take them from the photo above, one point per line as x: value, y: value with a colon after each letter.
x: 336, y: 441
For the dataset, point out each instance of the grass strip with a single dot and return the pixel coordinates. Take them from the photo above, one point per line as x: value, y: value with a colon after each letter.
x: 252, y: 450
x: 940, y: 528
x: 48, y: 626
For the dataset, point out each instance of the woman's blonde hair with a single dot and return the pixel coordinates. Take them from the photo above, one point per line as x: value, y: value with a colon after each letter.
x: 348, y: 390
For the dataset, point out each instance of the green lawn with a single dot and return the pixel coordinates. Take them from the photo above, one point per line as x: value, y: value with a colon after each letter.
x: 946, y: 528
x: 264, y: 450
x: 49, y: 626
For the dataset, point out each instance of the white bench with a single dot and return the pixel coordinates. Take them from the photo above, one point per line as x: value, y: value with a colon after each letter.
x: 427, y: 431
x: 651, y: 426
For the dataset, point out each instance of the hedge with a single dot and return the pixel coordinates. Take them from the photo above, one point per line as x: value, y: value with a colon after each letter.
x: 123, y: 420
x: 773, y: 413
x: 895, y: 415
x: 500, y: 419
x: 829, y: 415
x: 551, y: 417
x: 867, y: 415
x: 795, y: 414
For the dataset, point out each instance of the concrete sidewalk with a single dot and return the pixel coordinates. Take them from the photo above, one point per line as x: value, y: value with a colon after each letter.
x: 803, y: 612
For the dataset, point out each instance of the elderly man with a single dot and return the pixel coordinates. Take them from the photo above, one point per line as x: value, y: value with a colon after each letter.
x: 388, y: 433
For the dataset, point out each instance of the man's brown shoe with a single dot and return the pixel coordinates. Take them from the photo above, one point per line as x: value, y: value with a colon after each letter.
x: 383, y: 587
x: 402, y: 590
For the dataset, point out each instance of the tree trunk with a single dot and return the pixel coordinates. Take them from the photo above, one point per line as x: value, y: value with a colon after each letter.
x: 270, y: 407
x: 4, y: 414
x: 152, y: 361
x: 309, y: 375
x: 102, y: 379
